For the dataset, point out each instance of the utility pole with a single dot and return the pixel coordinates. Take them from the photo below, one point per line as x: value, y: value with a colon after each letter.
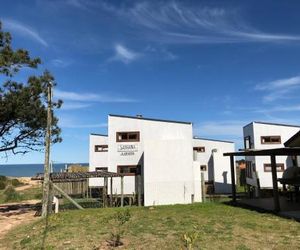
x: 46, y: 184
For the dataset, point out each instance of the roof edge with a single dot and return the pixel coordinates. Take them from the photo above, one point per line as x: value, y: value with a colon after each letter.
x: 273, y: 123
x: 150, y: 119
x: 98, y: 134
x: 207, y: 139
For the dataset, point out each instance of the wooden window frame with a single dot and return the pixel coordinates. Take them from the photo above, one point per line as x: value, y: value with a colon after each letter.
x: 138, y: 170
x: 128, y: 134
x: 101, y: 148
x: 199, y: 149
x: 247, y: 138
x: 262, y: 138
x: 101, y: 169
x: 278, y: 165
x: 203, y: 166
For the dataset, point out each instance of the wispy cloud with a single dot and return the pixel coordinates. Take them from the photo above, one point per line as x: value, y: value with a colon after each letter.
x: 23, y: 30
x: 75, y: 105
x: 278, y: 89
x: 124, y: 54
x: 66, y: 121
x: 60, y: 63
x: 90, y: 97
x: 172, y: 22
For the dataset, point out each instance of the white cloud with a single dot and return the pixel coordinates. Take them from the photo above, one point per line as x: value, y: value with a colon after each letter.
x: 75, y: 105
x: 89, y: 97
x: 279, y: 89
x: 60, y: 63
x: 124, y: 54
x: 23, y: 30
x: 66, y: 121
x: 172, y: 22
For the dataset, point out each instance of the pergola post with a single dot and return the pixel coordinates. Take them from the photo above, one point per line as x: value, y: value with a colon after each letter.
x: 275, y: 184
x: 111, y: 191
x: 122, y: 191
x: 233, y: 188
x: 139, y: 189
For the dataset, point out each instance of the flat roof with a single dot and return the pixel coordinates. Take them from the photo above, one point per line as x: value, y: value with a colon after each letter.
x: 274, y: 124
x: 149, y: 119
x: 98, y: 134
x: 207, y: 139
x: 266, y: 152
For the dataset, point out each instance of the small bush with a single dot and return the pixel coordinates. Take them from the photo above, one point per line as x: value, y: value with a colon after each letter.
x: 11, y: 194
x: 3, y: 178
x: 16, y: 183
x: 118, y: 222
x: 2, y: 185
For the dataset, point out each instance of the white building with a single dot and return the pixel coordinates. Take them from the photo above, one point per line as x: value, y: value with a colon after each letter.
x: 160, y: 150
x: 262, y: 135
x: 208, y: 154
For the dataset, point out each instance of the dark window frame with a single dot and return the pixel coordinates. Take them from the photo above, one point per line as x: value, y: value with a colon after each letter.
x: 101, y: 169
x: 268, y: 167
x: 203, y: 167
x: 199, y: 149
x: 101, y: 148
x: 127, y: 134
x: 247, y: 138
x: 277, y: 139
x: 137, y: 172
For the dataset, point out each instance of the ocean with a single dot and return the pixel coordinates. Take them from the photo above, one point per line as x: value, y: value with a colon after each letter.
x: 29, y: 170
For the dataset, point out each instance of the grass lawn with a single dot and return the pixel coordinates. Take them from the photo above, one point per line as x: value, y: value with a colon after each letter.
x: 219, y: 227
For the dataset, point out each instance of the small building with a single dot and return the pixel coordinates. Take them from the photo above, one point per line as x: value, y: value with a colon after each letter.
x: 208, y: 154
x: 158, y: 154
x: 262, y: 136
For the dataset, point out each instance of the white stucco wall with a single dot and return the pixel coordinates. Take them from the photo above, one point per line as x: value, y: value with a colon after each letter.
x: 255, y: 131
x: 97, y: 159
x: 169, y: 173
x: 218, y: 166
x: 149, y: 130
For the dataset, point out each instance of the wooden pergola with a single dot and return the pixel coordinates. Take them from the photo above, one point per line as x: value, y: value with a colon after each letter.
x: 272, y: 153
x: 59, y: 177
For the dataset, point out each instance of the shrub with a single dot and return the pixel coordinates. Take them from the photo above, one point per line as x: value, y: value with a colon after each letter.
x: 118, y: 222
x: 11, y: 194
x: 3, y: 178
x: 2, y: 185
x: 16, y: 183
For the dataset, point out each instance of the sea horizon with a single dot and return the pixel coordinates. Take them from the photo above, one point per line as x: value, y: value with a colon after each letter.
x: 29, y: 170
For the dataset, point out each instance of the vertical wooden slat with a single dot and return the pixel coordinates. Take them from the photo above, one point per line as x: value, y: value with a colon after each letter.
x: 111, y: 191
x: 122, y: 191
x: 275, y: 184
x: 139, y: 183
x: 233, y: 188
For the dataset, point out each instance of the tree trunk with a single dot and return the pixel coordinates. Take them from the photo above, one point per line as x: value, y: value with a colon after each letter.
x: 46, y: 184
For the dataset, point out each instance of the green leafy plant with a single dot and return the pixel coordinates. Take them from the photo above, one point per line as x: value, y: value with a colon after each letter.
x: 118, y: 222
x: 11, y: 194
x: 189, y: 239
x: 16, y: 183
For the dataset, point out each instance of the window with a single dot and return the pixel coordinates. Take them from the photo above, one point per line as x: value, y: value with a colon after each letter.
x: 101, y: 148
x: 129, y: 170
x: 250, y: 168
x: 274, y: 139
x: 203, y: 167
x: 199, y: 149
x: 128, y: 136
x: 279, y: 167
x: 101, y: 169
x: 247, y: 142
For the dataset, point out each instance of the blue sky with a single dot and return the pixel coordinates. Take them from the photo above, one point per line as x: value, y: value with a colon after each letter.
x: 219, y: 64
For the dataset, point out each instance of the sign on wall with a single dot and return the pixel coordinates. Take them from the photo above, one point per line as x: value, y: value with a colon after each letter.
x: 127, y: 149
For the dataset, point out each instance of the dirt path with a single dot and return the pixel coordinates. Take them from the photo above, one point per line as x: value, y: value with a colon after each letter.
x: 14, y: 214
